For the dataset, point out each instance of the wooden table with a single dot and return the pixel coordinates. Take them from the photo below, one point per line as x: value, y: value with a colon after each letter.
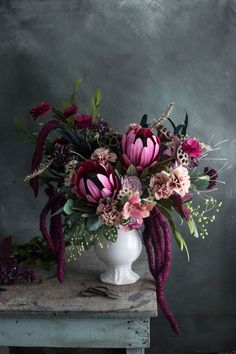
x: 49, y: 314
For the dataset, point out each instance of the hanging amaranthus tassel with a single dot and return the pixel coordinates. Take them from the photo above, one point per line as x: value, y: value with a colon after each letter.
x: 157, y: 240
x: 38, y: 153
x: 54, y: 238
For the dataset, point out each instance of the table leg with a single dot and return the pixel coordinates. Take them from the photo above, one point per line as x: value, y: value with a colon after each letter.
x: 135, y: 351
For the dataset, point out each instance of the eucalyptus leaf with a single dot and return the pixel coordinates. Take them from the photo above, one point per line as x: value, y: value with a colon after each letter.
x: 93, y: 223
x: 68, y: 207
x: 202, y: 182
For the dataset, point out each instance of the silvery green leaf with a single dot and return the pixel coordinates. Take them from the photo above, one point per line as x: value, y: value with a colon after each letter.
x: 93, y: 223
x: 202, y: 182
x: 68, y: 207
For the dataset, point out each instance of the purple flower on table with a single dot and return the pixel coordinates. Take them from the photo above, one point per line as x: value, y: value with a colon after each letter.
x: 70, y: 111
x: 212, y: 173
x: 83, y: 121
x: 41, y: 109
x: 140, y: 148
x: 94, y: 181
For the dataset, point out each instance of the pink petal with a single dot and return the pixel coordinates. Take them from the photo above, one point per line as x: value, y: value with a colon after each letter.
x: 131, y: 154
x: 145, y: 157
x: 126, y: 160
x: 111, y: 180
x: 151, y: 148
x: 106, y: 192
x: 130, y: 137
x: 82, y: 187
x: 126, y: 210
x: 123, y: 142
x: 93, y: 189
x: 104, y: 180
x: 134, y: 198
x: 138, y: 147
x: 91, y: 199
x: 156, y: 149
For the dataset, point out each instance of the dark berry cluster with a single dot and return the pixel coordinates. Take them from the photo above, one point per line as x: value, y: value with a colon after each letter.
x: 10, y: 271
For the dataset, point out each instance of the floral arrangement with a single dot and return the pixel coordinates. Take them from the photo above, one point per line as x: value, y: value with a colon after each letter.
x: 98, y: 180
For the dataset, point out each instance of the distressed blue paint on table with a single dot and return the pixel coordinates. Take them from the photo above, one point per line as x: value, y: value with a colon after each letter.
x: 49, y: 314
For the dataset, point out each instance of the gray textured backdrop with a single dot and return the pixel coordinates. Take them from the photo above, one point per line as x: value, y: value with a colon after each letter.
x: 142, y: 54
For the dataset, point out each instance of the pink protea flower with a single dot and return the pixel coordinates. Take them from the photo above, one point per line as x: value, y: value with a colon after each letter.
x: 94, y: 181
x: 180, y: 180
x: 140, y: 148
x: 108, y: 213
x: 83, y: 121
x: 70, y: 111
x: 135, y: 210
x: 103, y: 155
x: 40, y: 110
x: 192, y: 147
x: 161, y: 185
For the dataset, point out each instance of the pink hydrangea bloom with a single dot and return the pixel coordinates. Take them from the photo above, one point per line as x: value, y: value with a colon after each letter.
x: 103, y: 155
x: 192, y: 147
x: 180, y: 180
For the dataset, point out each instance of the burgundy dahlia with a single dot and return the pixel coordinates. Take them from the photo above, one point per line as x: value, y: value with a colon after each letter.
x: 94, y: 181
x: 40, y: 110
x: 70, y: 111
x: 140, y: 148
x: 83, y: 121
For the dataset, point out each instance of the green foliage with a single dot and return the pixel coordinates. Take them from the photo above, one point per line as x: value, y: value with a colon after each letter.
x: 131, y: 171
x: 192, y: 227
x: 34, y: 252
x: 93, y: 223
x: 80, y: 237
x: 58, y: 115
x: 95, y: 103
x: 201, y: 183
x: 30, y: 138
x: 68, y: 207
x: 75, y: 91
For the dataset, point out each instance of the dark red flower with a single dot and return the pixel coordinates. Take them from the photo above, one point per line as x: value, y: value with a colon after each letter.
x: 69, y: 111
x: 40, y: 110
x: 83, y: 121
x: 94, y: 181
x: 212, y: 173
x: 192, y: 147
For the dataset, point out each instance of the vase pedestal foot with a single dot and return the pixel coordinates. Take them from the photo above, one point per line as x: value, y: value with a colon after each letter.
x: 119, y: 275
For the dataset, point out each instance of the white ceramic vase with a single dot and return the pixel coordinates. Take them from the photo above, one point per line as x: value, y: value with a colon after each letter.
x: 118, y: 257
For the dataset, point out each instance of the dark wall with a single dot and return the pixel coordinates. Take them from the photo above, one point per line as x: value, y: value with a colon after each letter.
x: 142, y: 54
